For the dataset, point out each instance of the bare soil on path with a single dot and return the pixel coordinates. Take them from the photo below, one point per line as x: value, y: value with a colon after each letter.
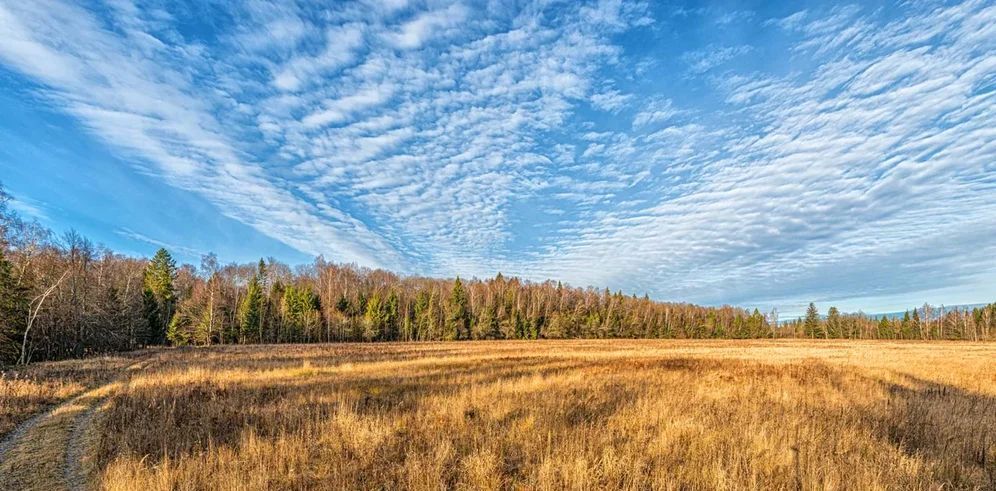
x: 46, y: 452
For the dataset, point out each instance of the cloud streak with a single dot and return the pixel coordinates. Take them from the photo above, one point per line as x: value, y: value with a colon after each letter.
x: 537, y: 139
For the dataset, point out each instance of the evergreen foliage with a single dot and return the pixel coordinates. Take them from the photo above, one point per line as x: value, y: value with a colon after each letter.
x: 159, y: 295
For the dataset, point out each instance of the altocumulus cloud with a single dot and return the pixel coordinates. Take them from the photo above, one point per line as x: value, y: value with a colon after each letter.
x: 585, y: 141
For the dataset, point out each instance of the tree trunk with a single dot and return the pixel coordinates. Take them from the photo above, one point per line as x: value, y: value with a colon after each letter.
x: 34, y: 315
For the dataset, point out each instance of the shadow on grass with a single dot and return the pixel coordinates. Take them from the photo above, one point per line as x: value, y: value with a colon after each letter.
x: 947, y: 428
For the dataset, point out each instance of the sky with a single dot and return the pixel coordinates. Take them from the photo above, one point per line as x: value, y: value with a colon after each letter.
x: 763, y: 154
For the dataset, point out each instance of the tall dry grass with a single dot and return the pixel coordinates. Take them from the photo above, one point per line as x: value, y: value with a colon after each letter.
x: 557, y: 415
x: 27, y: 390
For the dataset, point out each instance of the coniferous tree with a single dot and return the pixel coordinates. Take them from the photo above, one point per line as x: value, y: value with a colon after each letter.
x: 915, y: 324
x: 13, y: 311
x: 423, y: 326
x: 392, y: 316
x: 906, y: 326
x: 373, y: 325
x: 884, y: 328
x: 758, y: 325
x: 251, y: 310
x: 834, y: 328
x: 300, y: 308
x: 342, y: 305
x: 811, y: 325
x: 160, y: 295
x: 178, y: 333
x: 457, y: 315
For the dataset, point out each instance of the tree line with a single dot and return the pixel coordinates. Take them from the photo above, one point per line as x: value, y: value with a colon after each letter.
x: 63, y: 296
x: 926, y: 322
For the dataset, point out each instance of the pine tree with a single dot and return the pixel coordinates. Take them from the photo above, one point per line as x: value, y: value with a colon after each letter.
x: 884, y: 328
x: 251, y: 310
x: 906, y: 326
x: 915, y: 324
x: 457, y: 315
x: 834, y: 329
x: 392, y: 317
x: 713, y: 328
x: 811, y: 325
x: 299, y: 307
x: 422, y: 327
x: 373, y: 319
x: 160, y: 295
x: 758, y: 326
x: 557, y: 328
x: 342, y: 305
x: 178, y: 333
x: 13, y: 312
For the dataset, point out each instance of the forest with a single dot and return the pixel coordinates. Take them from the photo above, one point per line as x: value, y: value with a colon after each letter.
x: 62, y: 296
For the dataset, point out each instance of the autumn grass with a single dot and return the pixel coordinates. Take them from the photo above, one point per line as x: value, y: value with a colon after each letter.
x: 27, y: 390
x: 556, y: 415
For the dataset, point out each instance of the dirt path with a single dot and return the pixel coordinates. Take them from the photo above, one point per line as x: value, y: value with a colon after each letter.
x: 18, y: 433
x: 47, y: 451
x: 74, y: 472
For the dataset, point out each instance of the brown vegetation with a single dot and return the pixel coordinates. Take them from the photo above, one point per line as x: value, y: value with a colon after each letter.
x: 555, y: 415
x: 29, y: 389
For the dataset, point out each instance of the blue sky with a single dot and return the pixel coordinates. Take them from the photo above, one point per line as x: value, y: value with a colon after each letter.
x: 752, y: 153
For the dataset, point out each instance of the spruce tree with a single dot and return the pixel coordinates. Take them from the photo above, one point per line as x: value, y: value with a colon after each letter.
x: 884, y: 328
x: 251, y: 310
x: 457, y: 315
x: 300, y: 311
x: 423, y: 327
x: 834, y: 329
x: 13, y: 312
x: 342, y: 305
x: 392, y: 316
x: 373, y: 319
x: 811, y: 326
x: 159, y: 295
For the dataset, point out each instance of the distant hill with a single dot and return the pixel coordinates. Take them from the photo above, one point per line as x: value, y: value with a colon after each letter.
x: 894, y: 315
x: 937, y: 308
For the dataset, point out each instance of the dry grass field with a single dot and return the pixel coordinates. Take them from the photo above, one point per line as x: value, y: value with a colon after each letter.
x: 27, y: 390
x: 528, y: 415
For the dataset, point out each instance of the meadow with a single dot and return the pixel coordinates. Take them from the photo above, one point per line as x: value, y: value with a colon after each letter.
x: 612, y: 414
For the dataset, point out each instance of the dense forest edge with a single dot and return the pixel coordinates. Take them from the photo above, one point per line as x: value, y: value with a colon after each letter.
x: 64, y: 297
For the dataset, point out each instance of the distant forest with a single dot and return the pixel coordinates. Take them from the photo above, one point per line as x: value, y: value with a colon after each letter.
x: 64, y: 297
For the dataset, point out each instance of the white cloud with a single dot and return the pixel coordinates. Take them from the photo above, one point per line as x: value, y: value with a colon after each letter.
x: 175, y: 248
x: 454, y: 140
x: 704, y: 60
x: 146, y: 110
x: 655, y: 111
x: 337, y: 110
x: 843, y: 194
x: 417, y: 31
x: 341, y: 44
x: 29, y: 208
x: 611, y: 100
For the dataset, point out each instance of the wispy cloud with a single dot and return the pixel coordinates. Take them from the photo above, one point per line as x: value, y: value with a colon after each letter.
x: 143, y: 103
x: 545, y: 139
x: 865, y: 176
x: 175, y: 248
x: 29, y: 208
x: 415, y: 32
x: 703, y: 60
x: 656, y: 110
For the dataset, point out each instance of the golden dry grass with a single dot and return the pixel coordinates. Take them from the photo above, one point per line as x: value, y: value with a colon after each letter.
x: 556, y: 415
x: 25, y: 391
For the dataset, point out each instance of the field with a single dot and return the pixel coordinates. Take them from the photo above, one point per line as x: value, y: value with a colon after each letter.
x: 510, y: 415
